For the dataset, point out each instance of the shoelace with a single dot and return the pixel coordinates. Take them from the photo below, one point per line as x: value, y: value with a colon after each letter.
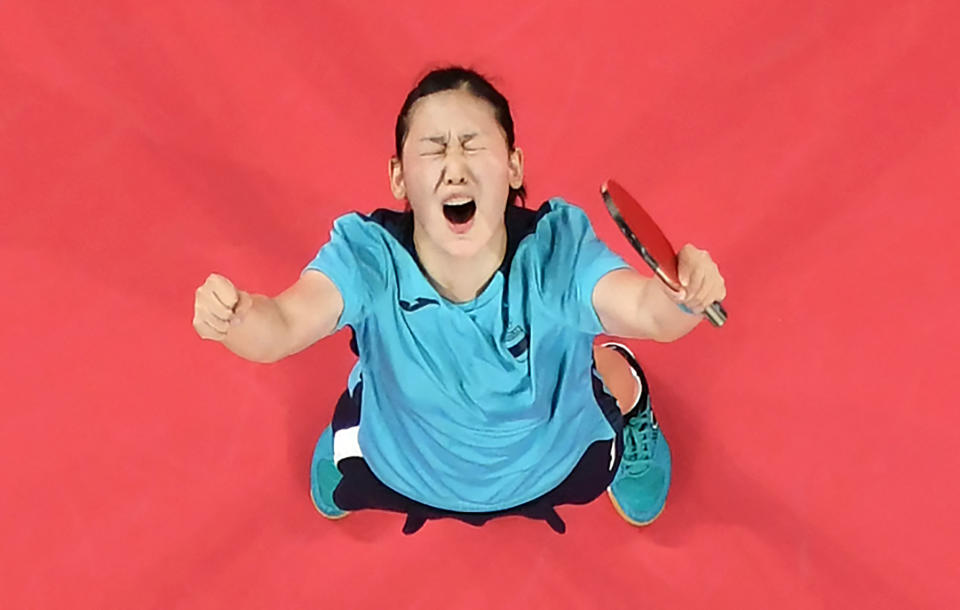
x: 639, y: 437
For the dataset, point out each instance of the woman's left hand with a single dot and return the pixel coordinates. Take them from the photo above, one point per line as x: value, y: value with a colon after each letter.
x: 700, y: 278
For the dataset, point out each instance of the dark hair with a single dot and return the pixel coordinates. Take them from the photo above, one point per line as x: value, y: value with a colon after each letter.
x: 456, y: 77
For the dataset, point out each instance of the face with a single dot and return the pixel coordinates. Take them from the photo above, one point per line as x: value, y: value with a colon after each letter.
x: 456, y: 171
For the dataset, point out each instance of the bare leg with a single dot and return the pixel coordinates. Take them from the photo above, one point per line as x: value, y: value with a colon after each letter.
x: 618, y: 376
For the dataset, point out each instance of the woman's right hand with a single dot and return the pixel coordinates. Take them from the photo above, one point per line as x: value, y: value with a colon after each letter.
x: 218, y: 306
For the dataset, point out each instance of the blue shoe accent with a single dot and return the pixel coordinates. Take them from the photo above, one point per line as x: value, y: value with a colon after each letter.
x: 639, y: 489
x: 324, y: 477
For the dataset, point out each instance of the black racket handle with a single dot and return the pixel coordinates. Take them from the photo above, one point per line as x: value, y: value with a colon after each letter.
x: 716, y: 314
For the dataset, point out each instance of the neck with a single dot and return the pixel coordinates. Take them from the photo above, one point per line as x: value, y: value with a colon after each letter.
x: 461, y: 279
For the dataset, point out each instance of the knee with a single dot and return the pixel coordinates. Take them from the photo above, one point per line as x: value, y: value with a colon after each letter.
x: 618, y: 376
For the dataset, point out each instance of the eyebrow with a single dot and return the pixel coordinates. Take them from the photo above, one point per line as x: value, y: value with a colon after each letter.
x: 442, y: 140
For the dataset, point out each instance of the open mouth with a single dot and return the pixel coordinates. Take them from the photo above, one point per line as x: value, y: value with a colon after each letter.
x: 460, y: 213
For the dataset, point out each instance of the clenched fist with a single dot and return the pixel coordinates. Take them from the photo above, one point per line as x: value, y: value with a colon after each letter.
x: 218, y: 306
x: 701, y: 280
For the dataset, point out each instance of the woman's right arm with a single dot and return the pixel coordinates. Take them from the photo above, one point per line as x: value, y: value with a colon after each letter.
x: 264, y: 329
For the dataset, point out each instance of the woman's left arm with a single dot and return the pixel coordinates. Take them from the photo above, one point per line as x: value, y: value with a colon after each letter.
x: 633, y: 306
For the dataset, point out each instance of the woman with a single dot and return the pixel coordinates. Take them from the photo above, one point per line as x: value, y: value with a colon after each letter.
x: 478, y: 390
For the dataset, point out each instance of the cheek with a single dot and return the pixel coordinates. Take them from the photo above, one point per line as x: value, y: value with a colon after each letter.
x: 495, y: 174
x: 420, y: 175
x: 483, y: 168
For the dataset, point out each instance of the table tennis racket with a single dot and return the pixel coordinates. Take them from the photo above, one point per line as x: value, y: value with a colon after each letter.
x: 649, y: 241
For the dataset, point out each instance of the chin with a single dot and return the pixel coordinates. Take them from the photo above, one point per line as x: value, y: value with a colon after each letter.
x: 463, y: 246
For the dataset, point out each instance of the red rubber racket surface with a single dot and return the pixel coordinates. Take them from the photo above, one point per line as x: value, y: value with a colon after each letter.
x: 642, y: 232
x: 650, y: 242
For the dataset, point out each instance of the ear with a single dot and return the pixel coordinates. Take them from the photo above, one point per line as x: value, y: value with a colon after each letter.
x: 395, y: 172
x: 515, y: 161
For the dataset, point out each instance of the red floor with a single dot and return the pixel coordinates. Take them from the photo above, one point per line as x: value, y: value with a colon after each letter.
x: 813, y: 148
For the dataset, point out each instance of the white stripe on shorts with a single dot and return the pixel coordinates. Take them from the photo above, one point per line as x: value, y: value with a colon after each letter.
x: 346, y: 443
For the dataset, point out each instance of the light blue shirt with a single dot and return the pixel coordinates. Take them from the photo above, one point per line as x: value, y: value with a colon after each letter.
x: 484, y: 405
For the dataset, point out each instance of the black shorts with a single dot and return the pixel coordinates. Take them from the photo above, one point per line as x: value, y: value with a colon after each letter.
x: 361, y: 489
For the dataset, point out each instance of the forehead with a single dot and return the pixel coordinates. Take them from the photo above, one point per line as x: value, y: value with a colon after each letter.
x: 452, y: 110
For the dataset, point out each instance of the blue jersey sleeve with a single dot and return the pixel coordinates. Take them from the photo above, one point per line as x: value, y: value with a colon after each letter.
x: 573, y: 261
x: 356, y: 261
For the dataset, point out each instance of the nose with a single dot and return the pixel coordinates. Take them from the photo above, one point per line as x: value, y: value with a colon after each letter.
x: 454, y: 178
x: 453, y: 174
x: 455, y: 170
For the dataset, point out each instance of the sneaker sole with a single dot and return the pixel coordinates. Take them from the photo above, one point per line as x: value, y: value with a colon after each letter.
x: 619, y: 510
x: 319, y: 510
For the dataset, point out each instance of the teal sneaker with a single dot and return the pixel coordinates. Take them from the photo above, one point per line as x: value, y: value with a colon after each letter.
x: 324, y: 477
x: 639, y: 489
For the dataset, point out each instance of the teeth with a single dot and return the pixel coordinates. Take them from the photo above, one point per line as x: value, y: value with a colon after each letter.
x: 458, y: 201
